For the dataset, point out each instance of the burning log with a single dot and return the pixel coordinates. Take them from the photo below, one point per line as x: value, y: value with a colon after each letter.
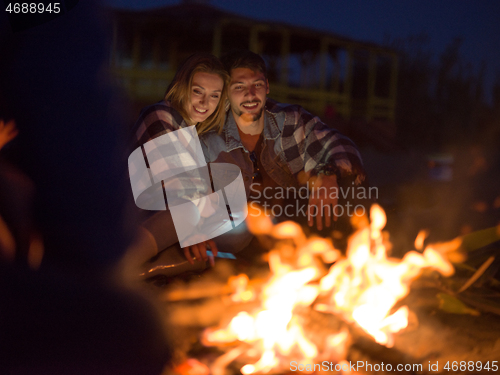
x: 309, y: 313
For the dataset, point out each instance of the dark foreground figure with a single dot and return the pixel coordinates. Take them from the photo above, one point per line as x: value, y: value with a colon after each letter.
x: 67, y: 316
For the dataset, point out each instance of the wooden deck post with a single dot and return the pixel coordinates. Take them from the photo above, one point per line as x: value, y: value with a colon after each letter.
x: 348, y: 82
x: 136, y: 56
x: 217, y: 39
x: 156, y: 52
x: 253, y: 44
x: 394, y: 86
x: 285, y: 54
x: 323, y: 63
x: 372, y: 76
x: 114, y: 46
x: 136, y: 48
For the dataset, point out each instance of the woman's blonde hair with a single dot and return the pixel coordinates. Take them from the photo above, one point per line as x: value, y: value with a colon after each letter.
x: 179, y: 90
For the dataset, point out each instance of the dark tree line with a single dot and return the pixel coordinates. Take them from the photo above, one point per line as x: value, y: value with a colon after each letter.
x: 442, y: 101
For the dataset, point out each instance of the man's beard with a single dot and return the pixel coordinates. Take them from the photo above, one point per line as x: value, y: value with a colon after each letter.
x: 249, y: 117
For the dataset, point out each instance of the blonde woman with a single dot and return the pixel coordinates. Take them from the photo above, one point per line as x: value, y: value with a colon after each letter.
x: 196, y: 96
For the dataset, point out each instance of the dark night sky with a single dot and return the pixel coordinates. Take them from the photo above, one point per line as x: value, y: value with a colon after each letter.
x: 370, y: 20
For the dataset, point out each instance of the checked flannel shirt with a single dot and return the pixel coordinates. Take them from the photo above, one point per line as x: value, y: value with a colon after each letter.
x: 159, y: 119
x: 155, y: 120
x: 308, y: 143
x: 293, y: 141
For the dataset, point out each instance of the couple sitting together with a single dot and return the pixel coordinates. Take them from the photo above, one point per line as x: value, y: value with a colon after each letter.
x: 276, y: 146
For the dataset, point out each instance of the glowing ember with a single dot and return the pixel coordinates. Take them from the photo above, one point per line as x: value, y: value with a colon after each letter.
x: 240, y: 285
x: 362, y: 288
x: 192, y: 367
x: 419, y: 241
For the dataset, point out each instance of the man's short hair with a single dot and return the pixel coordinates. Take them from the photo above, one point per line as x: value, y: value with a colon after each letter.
x: 244, y: 59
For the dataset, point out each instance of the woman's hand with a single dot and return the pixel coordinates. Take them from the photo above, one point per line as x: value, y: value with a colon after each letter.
x: 8, y: 132
x: 199, y: 251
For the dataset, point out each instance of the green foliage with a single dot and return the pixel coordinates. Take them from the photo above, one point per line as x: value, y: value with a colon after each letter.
x: 453, y: 305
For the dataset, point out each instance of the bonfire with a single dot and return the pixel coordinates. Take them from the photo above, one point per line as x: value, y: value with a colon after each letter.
x: 362, y: 287
x: 282, y: 323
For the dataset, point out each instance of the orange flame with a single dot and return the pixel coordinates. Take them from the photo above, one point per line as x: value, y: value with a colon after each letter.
x: 362, y: 288
x: 419, y: 241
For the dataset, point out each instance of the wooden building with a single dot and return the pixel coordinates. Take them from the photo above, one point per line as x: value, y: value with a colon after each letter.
x: 328, y: 74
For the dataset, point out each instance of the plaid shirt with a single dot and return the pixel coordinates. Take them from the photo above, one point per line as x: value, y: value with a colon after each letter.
x: 308, y: 143
x: 300, y: 141
x: 155, y: 121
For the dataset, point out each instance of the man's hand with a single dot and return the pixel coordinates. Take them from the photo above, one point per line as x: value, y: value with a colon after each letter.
x: 199, y: 251
x: 322, y: 201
